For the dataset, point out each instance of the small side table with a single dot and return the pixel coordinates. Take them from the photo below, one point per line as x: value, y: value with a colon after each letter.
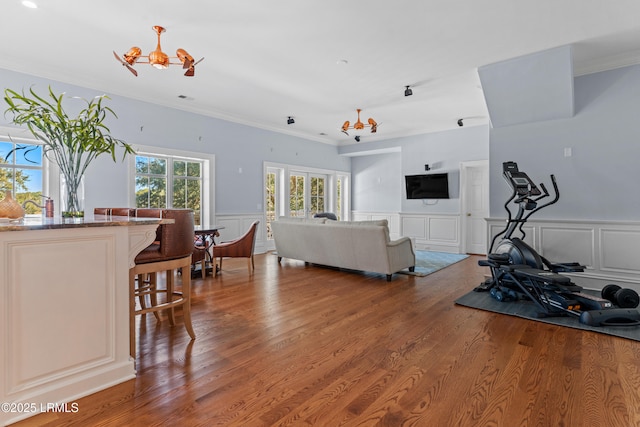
x: 206, y: 235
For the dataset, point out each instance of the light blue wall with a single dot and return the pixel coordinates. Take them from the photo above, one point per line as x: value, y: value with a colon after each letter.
x: 375, y: 183
x: 547, y: 94
x: 234, y: 146
x: 600, y: 180
x: 443, y: 151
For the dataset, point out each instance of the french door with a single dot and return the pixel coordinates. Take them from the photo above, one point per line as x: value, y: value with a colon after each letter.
x: 307, y: 194
x: 297, y: 192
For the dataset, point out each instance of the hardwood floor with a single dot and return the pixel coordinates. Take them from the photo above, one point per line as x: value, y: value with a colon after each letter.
x: 310, y: 346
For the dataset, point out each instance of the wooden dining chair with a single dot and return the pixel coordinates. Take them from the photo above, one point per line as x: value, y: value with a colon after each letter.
x: 242, y: 247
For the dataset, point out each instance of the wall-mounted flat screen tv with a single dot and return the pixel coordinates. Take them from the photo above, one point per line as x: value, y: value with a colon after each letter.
x: 431, y: 186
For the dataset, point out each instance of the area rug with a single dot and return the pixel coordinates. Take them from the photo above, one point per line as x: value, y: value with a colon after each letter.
x: 428, y: 262
x: 528, y: 310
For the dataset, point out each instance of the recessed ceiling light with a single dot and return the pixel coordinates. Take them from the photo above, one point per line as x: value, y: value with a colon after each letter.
x: 185, y: 97
x: 29, y: 4
x: 342, y: 62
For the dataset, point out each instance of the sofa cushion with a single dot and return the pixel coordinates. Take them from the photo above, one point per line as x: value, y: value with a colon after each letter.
x: 295, y: 219
x: 359, y: 224
x: 382, y: 222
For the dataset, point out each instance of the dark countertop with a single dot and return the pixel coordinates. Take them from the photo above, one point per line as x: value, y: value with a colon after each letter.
x: 40, y: 223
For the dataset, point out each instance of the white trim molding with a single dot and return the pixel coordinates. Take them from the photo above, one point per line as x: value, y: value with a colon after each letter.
x: 607, y: 248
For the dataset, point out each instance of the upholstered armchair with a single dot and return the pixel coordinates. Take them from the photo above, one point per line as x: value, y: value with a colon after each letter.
x: 242, y: 247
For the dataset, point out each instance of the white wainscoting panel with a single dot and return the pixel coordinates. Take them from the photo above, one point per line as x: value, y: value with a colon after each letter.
x: 415, y: 227
x: 236, y: 225
x: 561, y: 243
x: 432, y: 232
x: 609, y: 249
x: 619, y: 250
x: 427, y: 232
x: 443, y: 229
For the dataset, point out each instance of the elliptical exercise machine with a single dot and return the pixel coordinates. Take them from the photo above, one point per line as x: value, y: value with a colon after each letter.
x: 518, y: 271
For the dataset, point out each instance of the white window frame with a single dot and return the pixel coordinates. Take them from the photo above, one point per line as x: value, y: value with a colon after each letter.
x: 344, y: 213
x: 50, y: 171
x: 208, y: 175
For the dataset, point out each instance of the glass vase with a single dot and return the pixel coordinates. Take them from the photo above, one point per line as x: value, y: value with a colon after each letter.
x: 72, y: 195
x: 10, y: 208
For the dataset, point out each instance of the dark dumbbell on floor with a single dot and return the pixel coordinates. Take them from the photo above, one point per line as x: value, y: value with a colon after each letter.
x: 622, y: 297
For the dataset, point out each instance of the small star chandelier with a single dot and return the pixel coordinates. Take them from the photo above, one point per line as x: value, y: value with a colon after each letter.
x: 359, y: 125
x: 157, y: 58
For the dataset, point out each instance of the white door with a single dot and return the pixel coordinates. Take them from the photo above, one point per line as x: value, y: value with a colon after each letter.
x: 475, y: 206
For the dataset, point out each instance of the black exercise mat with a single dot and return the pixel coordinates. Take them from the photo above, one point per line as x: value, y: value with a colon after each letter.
x: 528, y: 310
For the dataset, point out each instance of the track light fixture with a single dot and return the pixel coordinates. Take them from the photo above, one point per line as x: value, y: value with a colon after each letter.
x: 290, y: 120
x: 357, y: 138
x: 408, y: 91
x: 460, y: 123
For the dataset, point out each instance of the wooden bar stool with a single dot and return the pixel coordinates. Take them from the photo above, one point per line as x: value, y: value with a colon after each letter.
x: 171, y: 251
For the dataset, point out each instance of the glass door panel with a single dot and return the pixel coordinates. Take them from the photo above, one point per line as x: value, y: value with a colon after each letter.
x: 271, y: 202
x: 297, y: 205
x: 317, y: 196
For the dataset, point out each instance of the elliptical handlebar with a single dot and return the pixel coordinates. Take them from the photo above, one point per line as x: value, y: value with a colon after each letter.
x: 556, y: 197
x: 526, y: 194
x: 555, y: 189
x: 544, y: 190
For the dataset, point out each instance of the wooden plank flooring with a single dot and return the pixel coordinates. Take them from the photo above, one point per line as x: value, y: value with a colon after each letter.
x: 296, y: 345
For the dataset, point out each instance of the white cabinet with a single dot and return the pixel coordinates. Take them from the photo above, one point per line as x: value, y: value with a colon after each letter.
x: 64, y: 313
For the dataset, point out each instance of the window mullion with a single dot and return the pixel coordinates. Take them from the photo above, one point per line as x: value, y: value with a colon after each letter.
x: 170, y: 178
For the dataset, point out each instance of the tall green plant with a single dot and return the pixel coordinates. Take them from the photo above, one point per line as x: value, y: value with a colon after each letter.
x: 72, y: 142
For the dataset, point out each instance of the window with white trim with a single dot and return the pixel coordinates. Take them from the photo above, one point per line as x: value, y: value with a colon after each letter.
x: 172, y: 181
x: 22, y: 169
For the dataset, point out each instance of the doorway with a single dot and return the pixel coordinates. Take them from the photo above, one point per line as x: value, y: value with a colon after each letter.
x: 475, y: 206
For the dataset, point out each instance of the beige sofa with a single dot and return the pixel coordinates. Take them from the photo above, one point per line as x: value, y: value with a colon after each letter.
x: 355, y: 245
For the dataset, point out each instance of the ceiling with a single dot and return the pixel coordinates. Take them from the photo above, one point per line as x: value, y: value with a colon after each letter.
x: 315, y: 60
